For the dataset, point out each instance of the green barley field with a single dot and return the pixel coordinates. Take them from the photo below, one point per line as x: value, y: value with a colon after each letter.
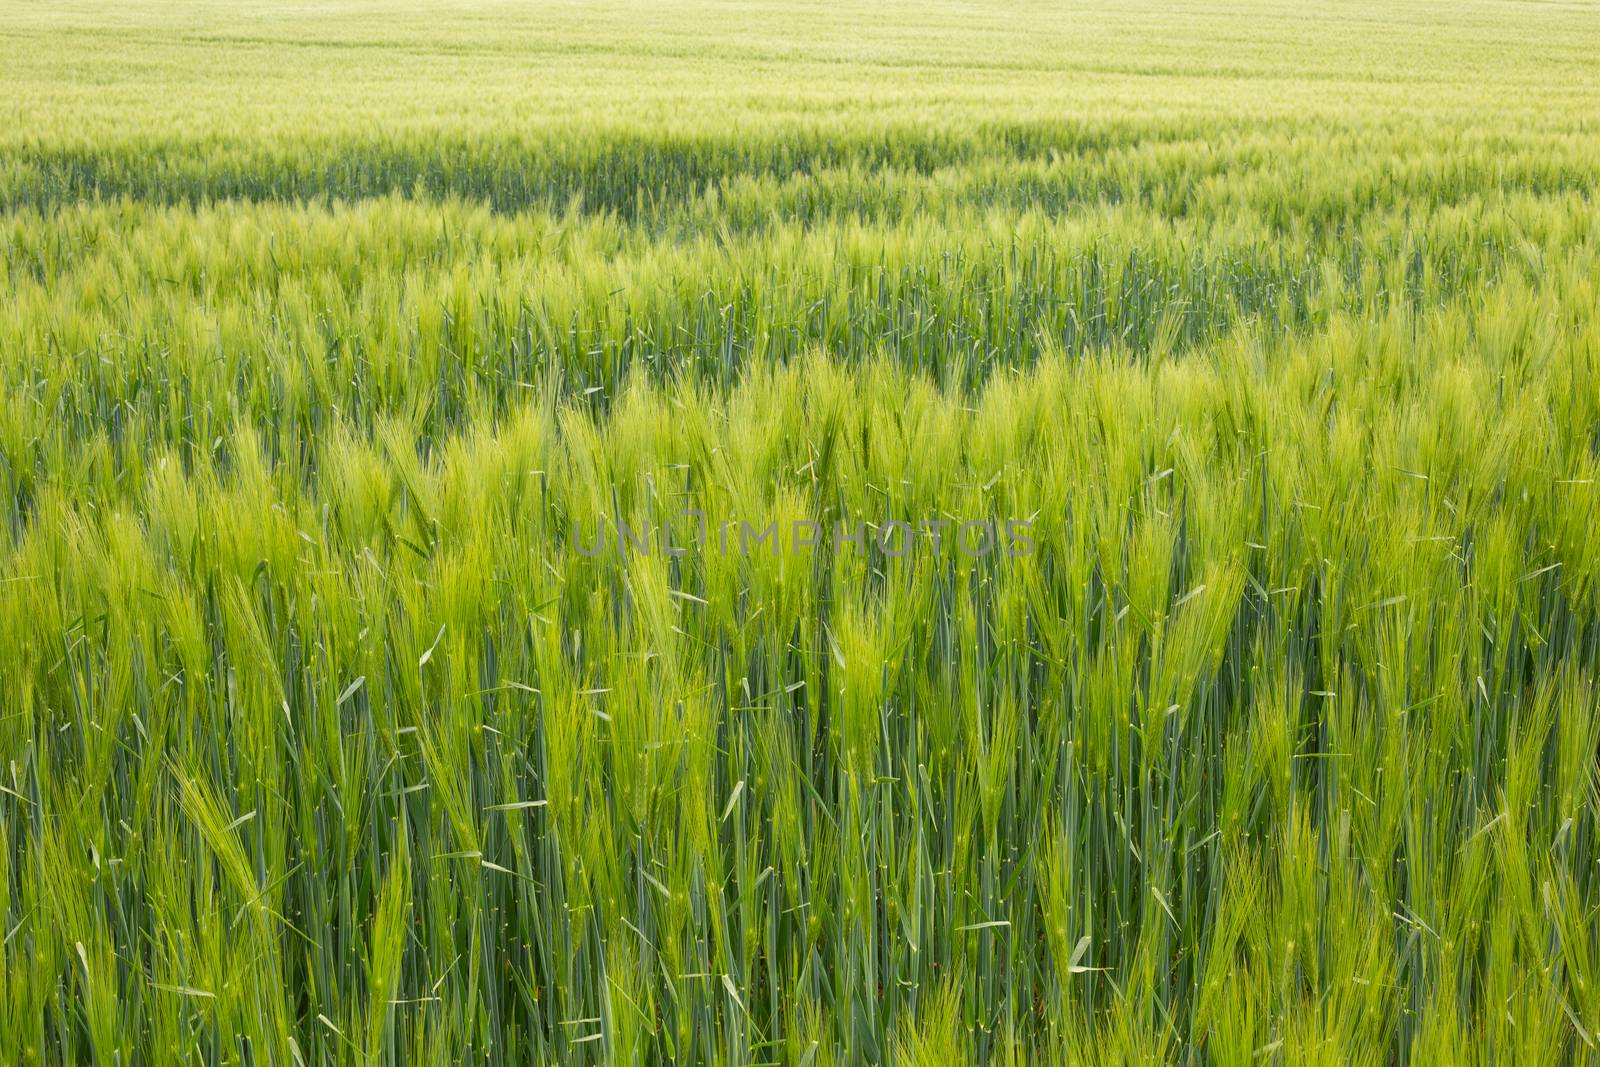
x: 799, y: 533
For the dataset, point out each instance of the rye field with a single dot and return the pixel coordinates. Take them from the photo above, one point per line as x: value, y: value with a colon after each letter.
x: 811, y: 533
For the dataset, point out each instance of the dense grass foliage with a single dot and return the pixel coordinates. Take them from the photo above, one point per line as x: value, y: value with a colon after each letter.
x: 334, y: 335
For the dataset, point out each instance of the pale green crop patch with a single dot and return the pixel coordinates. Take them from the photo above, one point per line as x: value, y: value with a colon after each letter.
x: 337, y: 338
